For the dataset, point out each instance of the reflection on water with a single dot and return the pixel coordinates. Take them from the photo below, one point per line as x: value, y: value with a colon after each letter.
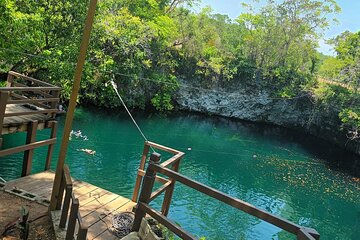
x: 295, y: 176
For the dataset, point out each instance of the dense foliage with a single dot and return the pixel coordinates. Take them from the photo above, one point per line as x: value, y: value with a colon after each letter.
x: 344, y: 71
x: 149, y: 47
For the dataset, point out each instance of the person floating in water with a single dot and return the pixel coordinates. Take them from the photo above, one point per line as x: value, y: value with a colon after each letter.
x: 88, y: 151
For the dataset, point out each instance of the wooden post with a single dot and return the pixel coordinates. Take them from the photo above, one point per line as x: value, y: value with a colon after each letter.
x: 65, y: 208
x: 56, y: 94
x: 54, y: 126
x: 28, y: 154
x: 146, y: 189
x: 9, y: 80
x: 4, y: 96
x: 72, y: 219
x: 139, y: 177
x: 82, y: 232
x: 72, y: 103
x: 169, y: 192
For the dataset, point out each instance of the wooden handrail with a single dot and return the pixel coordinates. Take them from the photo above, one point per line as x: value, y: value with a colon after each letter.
x: 66, y: 184
x: 27, y: 147
x: 19, y: 75
x: 146, y: 196
x: 24, y: 89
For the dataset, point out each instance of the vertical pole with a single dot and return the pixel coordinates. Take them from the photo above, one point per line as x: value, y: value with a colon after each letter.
x: 72, y: 103
x: 53, y: 125
x: 72, y: 219
x: 146, y: 189
x: 9, y: 80
x: 169, y: 193
x: 56, y: 94
x: 139, y: 177
x: 3, y: 100
x: 28, y: 154
x: 65, y: 208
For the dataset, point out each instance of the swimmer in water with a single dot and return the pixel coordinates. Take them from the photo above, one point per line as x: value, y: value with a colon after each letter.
x: 88, y: 151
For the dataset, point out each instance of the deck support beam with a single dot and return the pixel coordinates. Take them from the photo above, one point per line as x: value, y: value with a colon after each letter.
x: 72, y: 103
x: 28, y: 154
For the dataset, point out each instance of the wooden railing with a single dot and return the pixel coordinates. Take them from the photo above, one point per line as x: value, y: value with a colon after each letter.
x: 143, y: 208
x: 28, y: 96
x: 37, y: 95
x: 75, y: 217
x: 167, y: 184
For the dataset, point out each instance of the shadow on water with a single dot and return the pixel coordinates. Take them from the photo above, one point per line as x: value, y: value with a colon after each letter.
x: 333, y: 156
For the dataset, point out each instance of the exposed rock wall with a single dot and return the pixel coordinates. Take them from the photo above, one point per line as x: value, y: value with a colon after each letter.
x: 299, y: 113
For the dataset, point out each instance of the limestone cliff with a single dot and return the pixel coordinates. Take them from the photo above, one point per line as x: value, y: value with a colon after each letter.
x: 258, y: 106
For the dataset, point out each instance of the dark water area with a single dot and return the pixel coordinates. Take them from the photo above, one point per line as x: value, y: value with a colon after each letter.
x: 288, y: 173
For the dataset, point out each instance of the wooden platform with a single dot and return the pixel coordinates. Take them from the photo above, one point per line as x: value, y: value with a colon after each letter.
x: 97, y: 206
x: 20, y: 123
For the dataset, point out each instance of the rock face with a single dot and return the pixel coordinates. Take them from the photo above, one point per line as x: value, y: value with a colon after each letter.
x: 298, y: 113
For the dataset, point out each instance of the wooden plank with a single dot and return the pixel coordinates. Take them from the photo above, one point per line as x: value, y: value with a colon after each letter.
x: 31, y: 112
x: 28, y: 154
x: 97, y: 203
x: 43, y: 176
x: 105, y: 210
x: 19, y: 75
x: 30, y: 100
x: 91, y: 196
x: 161, y: 147
x: 102, y: 225
x: 172, y: 160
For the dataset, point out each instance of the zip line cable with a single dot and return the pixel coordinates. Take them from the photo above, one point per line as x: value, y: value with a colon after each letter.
x: 113, y: 84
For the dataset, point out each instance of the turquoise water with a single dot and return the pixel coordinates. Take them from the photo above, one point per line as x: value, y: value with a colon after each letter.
x: 286, y: 173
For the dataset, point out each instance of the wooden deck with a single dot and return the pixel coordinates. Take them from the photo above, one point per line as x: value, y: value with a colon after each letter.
x: 97, y: 206
x: 20, y: 123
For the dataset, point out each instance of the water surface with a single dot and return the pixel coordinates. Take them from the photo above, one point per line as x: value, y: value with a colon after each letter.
x: 291, y: 175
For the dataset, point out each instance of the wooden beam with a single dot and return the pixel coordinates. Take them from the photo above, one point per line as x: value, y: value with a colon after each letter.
x: 169, y: 192
x: 54, y: 126
x: 234, y: 202
x: 161, y: 147
x: 28, y: 154
x: 27, y: 147
x: 139, y: 177
x: 72, y: 103
x: 4, y: 96
x: 19, y: 75
x: 145, y: 194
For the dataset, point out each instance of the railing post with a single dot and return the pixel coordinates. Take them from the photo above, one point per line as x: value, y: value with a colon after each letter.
x: 4, y: 96
x: 28, y: 154
x: 146, y: 189
x: 139, y: 177
x: 10, y: 80
x: 82, y: 233
x: 169, y: 192
x: 72, y: 219
x: 56, y: 94
x: 61, y: 193
x: 65, y: 207
x: 53, y: 125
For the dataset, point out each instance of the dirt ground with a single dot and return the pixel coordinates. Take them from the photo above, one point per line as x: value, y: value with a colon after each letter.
x: 40, y: 224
